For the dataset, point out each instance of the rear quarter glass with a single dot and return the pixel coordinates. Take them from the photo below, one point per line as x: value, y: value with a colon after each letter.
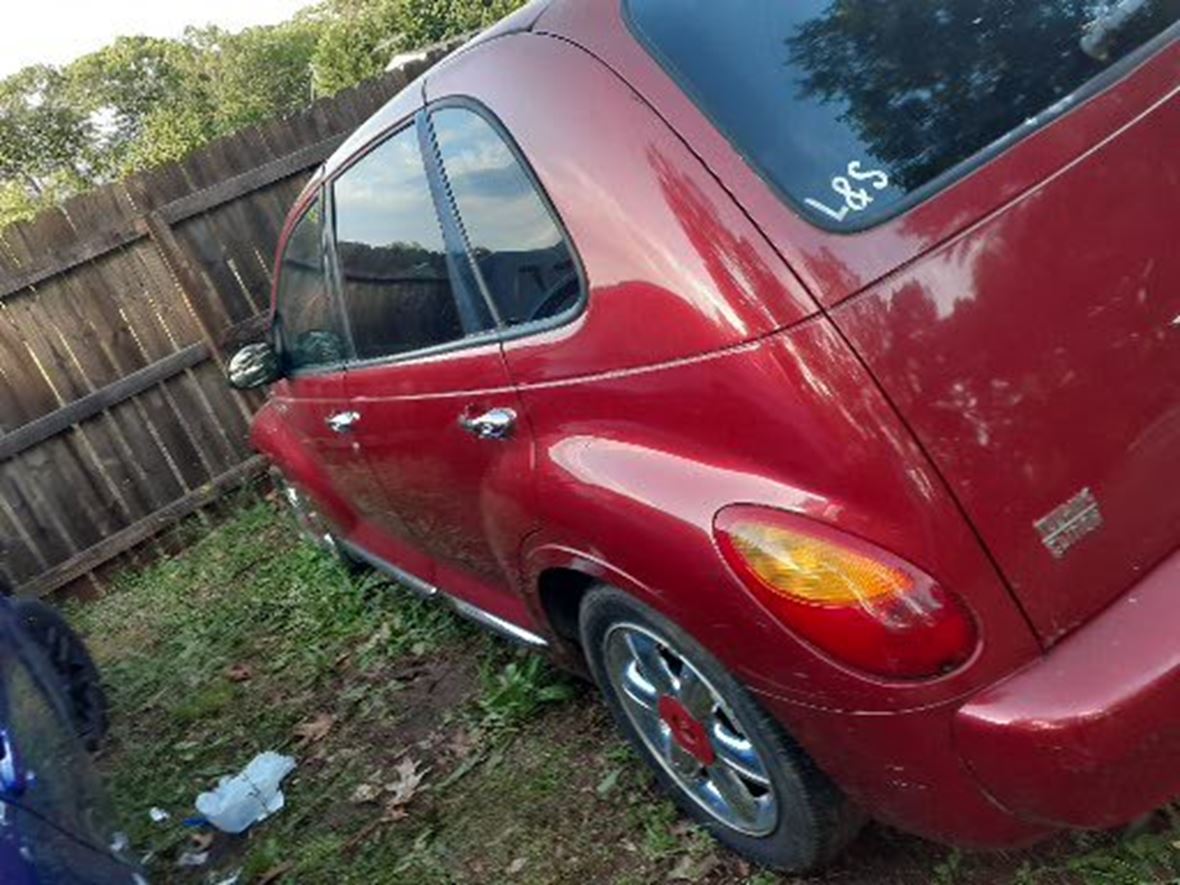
x: 855, y: 110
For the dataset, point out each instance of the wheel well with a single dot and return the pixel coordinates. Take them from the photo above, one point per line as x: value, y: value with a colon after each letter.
x: 561, y: 591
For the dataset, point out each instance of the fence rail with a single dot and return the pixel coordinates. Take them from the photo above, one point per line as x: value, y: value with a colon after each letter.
x: 116, y: 312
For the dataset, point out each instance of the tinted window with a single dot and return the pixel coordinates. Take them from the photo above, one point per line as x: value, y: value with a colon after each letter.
x: 525, y: 262
x: 850, y: 106
x: 311, y: 334
x: 393, y: 263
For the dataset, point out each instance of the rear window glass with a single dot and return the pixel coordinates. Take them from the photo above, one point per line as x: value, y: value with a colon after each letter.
x: 855, y: 109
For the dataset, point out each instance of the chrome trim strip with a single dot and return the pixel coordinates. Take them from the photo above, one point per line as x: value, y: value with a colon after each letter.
x: 414, y: 584
x: 497, y: 624
x: 421, y: 588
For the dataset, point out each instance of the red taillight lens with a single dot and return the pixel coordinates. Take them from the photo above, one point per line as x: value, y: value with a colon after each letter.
x: 856, y: 602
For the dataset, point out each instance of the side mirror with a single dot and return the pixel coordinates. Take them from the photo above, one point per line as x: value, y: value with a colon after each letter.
x: 255, y: 365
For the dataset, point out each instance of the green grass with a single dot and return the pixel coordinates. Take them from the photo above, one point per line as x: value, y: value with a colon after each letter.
x: 514, y: 692
x: 227, y: 649
x: 251, y: 640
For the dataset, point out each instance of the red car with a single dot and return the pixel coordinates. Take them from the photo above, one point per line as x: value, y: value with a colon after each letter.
x: 810, y: 369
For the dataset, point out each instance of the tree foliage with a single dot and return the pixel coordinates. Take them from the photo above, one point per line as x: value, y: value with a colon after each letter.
x: 142, y: 101
x: 45, y: 142
x: 356, y: 40
x: 358, y: 37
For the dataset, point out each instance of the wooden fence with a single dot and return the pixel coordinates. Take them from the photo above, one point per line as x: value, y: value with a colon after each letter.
x: 117, y: 312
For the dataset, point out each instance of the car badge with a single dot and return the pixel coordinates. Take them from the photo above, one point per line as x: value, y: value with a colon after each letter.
x: 1069, y: 523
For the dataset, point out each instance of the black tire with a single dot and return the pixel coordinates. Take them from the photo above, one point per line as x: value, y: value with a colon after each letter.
x: 70, y: 662
x: 815, y: 821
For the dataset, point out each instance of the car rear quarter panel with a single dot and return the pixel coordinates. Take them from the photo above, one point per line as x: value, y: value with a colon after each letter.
x: 633, y: 467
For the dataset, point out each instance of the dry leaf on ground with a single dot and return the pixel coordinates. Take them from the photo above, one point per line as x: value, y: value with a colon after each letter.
x: 402, y: 788
x: 366, y: 793
x: 315, y: 730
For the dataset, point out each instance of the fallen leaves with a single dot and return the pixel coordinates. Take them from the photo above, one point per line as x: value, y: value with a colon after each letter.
x: 464, y: 742
x: 402, y: 789
x: 396, y: 794
x: 365, y: 793
x: 315, y: 730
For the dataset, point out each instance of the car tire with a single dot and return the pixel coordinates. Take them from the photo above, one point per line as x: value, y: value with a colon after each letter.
x: 71, y: 663
x: 780, y: 811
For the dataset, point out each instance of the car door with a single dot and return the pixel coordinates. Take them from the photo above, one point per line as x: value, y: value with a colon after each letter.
x: 439, y: 420
x: 314, y: 348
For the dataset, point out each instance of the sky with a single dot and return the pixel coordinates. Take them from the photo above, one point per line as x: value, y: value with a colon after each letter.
x: 58, y: 31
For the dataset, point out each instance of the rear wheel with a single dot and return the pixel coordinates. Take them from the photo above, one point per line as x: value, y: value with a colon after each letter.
x: 724, y: 761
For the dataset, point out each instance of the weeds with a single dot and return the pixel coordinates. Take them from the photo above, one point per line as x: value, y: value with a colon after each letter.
x: 251, y: 641
x: 515, y: 691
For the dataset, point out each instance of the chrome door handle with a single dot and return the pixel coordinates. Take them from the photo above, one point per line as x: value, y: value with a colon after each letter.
x: 342, y: 422
x: 496, y: 424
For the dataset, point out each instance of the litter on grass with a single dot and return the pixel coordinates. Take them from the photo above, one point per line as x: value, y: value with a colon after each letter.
x: 249, y: 797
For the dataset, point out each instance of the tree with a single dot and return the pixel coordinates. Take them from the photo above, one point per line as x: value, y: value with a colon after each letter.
x: 225, y: 82
x: 428, y: 21
x: 45, y: 141
x: 120, y: 86
x: 357, y: 39
x: 360, y: 36
x: 143, y: 101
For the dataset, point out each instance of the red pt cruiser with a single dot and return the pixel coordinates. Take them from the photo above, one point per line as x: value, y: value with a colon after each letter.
x: 809, y: 369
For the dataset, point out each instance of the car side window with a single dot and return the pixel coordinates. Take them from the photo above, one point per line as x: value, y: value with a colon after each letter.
x: 309, y: 325
x: 392, y: 256
x: 521, y: 252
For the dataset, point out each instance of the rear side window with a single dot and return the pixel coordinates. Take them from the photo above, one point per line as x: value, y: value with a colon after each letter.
x: 526, y: 264
x: 392, y: 258
x: 308, y: 322
x: 854, y: 109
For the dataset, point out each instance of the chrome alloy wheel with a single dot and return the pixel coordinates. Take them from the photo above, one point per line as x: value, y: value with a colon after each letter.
x: 689, y: 728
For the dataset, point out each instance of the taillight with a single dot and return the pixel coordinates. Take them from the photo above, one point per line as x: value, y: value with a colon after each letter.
x: 858, y: 603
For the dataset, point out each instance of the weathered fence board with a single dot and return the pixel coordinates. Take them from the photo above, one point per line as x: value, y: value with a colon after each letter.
x: 117, y: 311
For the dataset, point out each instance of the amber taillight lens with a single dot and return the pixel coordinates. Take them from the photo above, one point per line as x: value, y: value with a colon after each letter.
x: 854, y: 601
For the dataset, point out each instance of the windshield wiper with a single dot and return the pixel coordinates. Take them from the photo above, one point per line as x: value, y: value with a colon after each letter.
x: 1106, y: 25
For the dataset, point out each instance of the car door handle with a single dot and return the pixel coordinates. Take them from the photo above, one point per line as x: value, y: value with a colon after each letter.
x: 496, y: 424
x: 342, y: 422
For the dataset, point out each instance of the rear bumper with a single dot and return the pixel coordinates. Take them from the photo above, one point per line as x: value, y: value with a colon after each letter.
x: 1089, y: 735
